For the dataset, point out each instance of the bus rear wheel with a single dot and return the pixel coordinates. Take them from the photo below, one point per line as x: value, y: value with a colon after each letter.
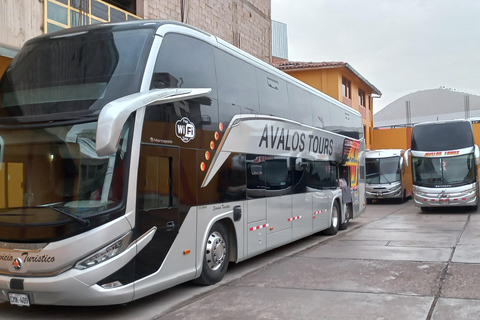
x: 216, y: 256
x: 344, y: 224
x: 336, y: 216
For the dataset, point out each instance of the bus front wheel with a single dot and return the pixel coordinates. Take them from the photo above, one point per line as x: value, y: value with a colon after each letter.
x: 216, y: 256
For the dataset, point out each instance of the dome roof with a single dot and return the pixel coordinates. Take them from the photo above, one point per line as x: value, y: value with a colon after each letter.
x: 428, y: 105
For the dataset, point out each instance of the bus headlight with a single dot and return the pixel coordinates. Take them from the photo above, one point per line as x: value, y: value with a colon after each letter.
x: 108, y: 252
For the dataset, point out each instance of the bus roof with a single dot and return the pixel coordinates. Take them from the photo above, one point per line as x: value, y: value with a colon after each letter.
x: 384, y: 153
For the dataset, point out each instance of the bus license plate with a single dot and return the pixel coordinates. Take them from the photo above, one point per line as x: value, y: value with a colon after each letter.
x: 19, y: 299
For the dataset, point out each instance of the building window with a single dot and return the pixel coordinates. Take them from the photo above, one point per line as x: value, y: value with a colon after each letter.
x: 63, y: 14
x: 361, y: 97
x: 346, y: 88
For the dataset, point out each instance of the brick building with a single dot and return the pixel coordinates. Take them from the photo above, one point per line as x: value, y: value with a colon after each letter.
x: 244, y: 23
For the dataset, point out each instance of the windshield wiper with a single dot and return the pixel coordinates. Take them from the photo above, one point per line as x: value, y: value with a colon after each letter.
x: 68, y: 214
x: 385, y: 177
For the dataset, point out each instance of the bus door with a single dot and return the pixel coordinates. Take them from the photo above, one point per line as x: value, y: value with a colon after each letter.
x: 157, y: 205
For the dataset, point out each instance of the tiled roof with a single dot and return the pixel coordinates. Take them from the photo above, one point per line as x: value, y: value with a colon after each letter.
x: 292, y: 65
x: 286, y: 65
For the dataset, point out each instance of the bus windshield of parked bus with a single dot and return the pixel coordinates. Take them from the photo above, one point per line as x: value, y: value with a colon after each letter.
x: 382, y: 170
x: 442, y: 136
x: 101, y: 67
x: 445, y: 171
x: 53, y: 176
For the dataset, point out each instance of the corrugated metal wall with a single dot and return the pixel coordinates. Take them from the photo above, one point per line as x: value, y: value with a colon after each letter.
x: 279, y: 40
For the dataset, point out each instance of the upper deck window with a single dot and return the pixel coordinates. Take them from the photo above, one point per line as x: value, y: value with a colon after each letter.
x: 442, y: 136
x: 73, y: 74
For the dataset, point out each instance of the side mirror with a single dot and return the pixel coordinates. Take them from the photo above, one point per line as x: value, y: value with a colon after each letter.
x: 402, y: 163
x: 477, y: 155
x: 113, y: 115
x: 300, y: 165
x: 406, y: 157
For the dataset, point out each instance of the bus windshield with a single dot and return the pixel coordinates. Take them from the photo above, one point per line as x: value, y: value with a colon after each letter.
x: 444, y: 172
x: 451, y: 135
x: 63, y: 77
x: 382, y: 170
x: 53, y: 176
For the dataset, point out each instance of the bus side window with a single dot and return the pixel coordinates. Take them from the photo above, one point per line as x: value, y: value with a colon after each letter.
x: 177, y: 64
x: 234, y: 78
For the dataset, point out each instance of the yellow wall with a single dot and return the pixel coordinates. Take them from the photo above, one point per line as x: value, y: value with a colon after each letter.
x: 4, y: 62
x: 476, y: 133
x: 398, y: 138
x: 325, y: 80
x: 329, y: 81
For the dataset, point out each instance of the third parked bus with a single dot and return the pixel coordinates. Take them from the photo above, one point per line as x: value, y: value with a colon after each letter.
x: 444, y: 164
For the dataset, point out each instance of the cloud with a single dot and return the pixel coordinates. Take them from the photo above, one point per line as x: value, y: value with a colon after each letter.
x: 399, y: 46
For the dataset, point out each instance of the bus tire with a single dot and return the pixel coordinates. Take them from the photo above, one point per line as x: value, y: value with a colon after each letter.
x: 216, y: 256
x: 344, y: 224
x: 336, y: 216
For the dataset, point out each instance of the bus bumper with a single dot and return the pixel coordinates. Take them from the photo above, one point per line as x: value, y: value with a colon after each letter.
x: 65, y: 289
x: 460, y: 196
x: 382, y: 191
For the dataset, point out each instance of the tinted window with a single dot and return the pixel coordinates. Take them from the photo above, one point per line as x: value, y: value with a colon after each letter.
x: 299, y: 168
x: 383, y: 170
x: 449, y: 171
x: 237, y: 86
x: 78, y: 73
x: 229, y: 183
x: 255, y: 176
x: 442, y: 136
x: 268, y: 176
x: 300, y: 104
x: 185, y: 62
x: 160, y: 122
x: 272, y: 95
x: 321, y: 175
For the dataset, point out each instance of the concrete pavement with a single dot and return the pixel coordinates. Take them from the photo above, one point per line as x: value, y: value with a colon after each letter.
x: 393, y: 262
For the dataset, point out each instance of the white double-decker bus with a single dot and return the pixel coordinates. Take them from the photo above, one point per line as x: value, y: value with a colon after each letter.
x: 140, y: 155
x: 444, y: 164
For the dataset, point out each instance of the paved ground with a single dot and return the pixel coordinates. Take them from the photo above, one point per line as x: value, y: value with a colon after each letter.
x: 394, y: 262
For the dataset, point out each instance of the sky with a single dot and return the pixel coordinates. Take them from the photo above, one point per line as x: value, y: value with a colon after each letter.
x: 399, y: 46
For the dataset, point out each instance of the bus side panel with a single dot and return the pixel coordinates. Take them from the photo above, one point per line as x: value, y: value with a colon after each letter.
x: 302, y: 215
x: 257, y: 226
x: 279, y: 212
x: 177, y: 266
x: 321, y: 201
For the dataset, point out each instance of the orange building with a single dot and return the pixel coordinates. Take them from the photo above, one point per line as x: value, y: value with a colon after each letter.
x: 340, y: 81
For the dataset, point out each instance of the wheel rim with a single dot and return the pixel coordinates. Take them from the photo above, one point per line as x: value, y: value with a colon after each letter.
x: 335, y: 217
x: 215, y: 251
